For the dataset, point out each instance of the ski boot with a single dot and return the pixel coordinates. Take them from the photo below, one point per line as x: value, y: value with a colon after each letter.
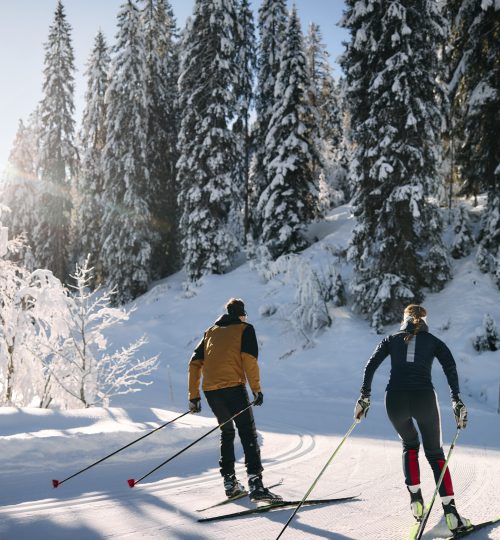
x: 231, y: 486
x: 454, y: 520
x: 257, y: 491
x: 417, y: 502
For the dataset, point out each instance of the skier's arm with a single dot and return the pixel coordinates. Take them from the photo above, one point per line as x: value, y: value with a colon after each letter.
x: 249, y: 356
x: 251, y: 369
x: 378, y: 356
x: 445, y: 358
x: 194, y: 370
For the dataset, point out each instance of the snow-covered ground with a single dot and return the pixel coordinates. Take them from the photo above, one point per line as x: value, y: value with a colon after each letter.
x: 309, y: 395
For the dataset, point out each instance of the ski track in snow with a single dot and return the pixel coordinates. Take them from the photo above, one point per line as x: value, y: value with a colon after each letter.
x: 166, y: 508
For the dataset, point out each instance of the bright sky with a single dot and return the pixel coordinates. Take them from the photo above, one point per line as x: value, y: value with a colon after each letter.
x: 24, y: 27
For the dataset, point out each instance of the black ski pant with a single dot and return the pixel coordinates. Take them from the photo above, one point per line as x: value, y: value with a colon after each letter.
x: 226, y: 402
x: 403, y: 407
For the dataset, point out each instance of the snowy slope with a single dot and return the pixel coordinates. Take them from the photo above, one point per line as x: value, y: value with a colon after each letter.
x: 309, y: 396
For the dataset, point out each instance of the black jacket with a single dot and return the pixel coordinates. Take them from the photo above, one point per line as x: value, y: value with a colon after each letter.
x: 411, y: 363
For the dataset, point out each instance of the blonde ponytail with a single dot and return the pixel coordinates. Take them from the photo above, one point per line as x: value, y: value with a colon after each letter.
x: 416, y: 314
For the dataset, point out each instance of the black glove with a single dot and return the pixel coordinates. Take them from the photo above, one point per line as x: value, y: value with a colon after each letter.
x: 459, y: 411
x: 195, y: 405
x: 258, y: 398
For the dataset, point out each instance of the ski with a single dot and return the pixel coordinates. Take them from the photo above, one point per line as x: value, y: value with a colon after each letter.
x: 235, y: 498
x: 276, y: 506
x: 473, y: 529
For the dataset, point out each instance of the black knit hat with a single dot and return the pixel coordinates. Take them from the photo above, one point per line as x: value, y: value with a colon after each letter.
x: 236, y: 307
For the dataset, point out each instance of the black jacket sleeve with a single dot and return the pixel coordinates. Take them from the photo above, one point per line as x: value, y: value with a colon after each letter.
x: 378, y: 356
x: 249, y: 341
x: 445, y: 358
x: 199, y: 352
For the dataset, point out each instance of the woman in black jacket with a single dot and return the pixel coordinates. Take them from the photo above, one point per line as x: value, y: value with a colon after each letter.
x: 410, y: 396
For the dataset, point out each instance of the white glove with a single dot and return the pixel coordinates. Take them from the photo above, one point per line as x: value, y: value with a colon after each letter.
x: 460, y: 412
x: 361, y: 408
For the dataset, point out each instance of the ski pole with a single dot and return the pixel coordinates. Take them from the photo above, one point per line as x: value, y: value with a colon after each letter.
x: 313, y: 485
x: 57, y: 483
x: 423, y: 522
x: 131, y: 482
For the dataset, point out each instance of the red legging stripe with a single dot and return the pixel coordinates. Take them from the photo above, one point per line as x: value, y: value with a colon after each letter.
x: 413, y: 467
x: 448, y: 486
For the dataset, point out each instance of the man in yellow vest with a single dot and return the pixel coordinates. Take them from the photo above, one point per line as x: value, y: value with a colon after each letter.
x: 226, y: 358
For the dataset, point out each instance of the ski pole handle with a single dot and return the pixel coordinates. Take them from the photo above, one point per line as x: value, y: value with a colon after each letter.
x: 57, y: 483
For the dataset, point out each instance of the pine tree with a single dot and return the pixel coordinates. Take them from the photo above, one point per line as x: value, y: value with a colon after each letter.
x: 322, y: 90
x: 272, y: 26
x: 89, y: 213
x: 475, y: 90
x: 475, y: 96
x: 463, y: 241
x: 391, y: 69
x: 290, y: 199
x: 57, y: 158
x: 246, y: 61
x: 128, y: 230
x: 208, y: 146
x: 326, y: 100
x: 19, y: 189
x: 160, y: 31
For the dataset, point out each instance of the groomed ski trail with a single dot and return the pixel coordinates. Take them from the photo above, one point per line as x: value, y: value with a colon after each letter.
x: 164, y: 508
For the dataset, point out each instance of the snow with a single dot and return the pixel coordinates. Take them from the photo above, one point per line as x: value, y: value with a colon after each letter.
x: 309, y: 395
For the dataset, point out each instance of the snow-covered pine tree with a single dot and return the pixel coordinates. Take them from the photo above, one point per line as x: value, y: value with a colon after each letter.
x: 325, y: 98
x: 19, y: 188
x: 246, y: 62
x: 322, y: 89
x: 289, y: 201
x: 207, y: 145
x: 475, y: 89
x: 475, y: 94
x: 390, y: 65
x: 463, y: 240
x: 272, y: 25
x: 89, y: 210
x: 128, y: 230
x: 57, y: 156
x: 160, y: 33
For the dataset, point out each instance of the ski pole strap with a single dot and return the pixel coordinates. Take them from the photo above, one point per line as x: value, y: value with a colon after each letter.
x: 313, y: 485
x: 57, y: 483
x: 133, y: 482
x: 423, y: 523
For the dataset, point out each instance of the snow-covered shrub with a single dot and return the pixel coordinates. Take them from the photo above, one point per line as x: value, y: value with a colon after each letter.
x: 21, y: 377
x: 316, y: 290
x: 489, y: 340
x: 85, y: 373
x: 463, y: 240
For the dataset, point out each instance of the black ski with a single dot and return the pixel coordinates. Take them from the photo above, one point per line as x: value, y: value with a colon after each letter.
x: 473, y: 529
x: 235, y: 498
x: 275, y: 506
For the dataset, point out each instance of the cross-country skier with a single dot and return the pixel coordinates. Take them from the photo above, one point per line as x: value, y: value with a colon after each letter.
x: 410, y: 395
x: 226, y: 357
